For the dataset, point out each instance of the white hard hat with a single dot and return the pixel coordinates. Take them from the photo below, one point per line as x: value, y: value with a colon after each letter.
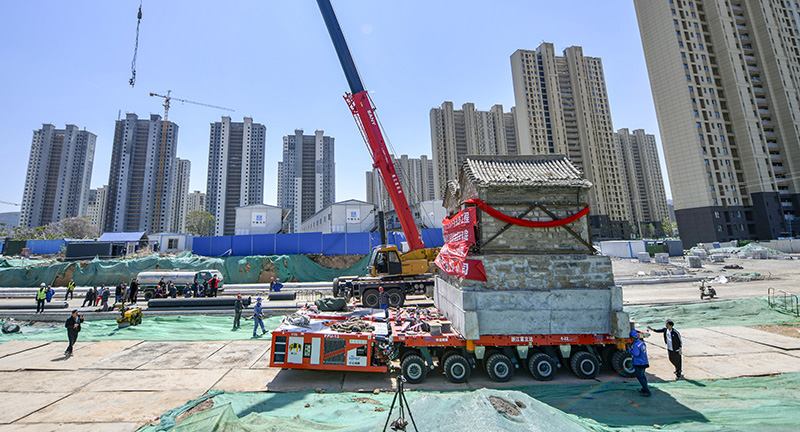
x: 43, y: 284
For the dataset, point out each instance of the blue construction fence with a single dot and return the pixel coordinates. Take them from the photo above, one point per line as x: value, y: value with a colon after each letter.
x: 46, y: 247
x: 304, y: 243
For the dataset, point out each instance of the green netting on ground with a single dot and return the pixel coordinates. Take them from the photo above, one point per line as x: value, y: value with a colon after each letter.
x: 432, y: 411
x: 236, y: 270
x: 739, y: 404
x: 174, y: 328
x: 750, y: 247
x: 740, y: 312
x: 18, y: 262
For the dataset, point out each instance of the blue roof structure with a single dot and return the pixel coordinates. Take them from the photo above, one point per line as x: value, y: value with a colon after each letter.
x: 123, y: 237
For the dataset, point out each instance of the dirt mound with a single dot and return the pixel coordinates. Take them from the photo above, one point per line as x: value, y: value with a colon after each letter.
x: 336, y: 261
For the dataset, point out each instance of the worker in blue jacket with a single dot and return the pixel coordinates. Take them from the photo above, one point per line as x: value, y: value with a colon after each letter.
x: 257, y: 315
x: 639, y: 352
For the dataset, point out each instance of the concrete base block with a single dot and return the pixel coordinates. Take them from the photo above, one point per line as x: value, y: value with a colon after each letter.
x: 693, y: 262
x: 620, y: 324
x: 701, y: 253
x: 718, y: 258
x: 662, y: 258
x: 659, y: 273
x: 677, y: 272
x: 644, y: 257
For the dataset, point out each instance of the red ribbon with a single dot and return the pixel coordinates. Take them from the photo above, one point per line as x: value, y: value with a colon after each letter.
x: 524, y: 222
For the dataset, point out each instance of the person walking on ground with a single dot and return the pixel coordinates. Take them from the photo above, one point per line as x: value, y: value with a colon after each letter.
x: 674, y: 343
x: 257, y: 314
x: 70, y: 289
x: 383, y: 301
x: 134, y: 290
x: 119, y: 292
x: 639, y: 352
x: 73, y: 326
x: 41, y: 297
x: 237, y: 310
x: 106, y: 294
x: 89, y: 298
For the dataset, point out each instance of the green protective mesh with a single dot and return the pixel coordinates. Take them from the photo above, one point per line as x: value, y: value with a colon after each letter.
x: 717, y: 313
x: 172, y: 328
x: 739, y: 404
x: 235, y: 270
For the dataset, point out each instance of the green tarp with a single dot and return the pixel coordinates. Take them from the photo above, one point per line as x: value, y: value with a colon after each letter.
x: 740, y: 404
x: 712, y: 313
x: 236, y: 270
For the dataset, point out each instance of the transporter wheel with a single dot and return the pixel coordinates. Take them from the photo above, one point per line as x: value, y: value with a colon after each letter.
x: 622, y: 362
x: 396, y: 297
x: 148, y: 295
x: 335, y: 290
x: 414, y: 369
x: 584, y: 364
x: 371, y: 299
x: 606, y: 354
x: 457, y: 368
x: 499, y: 368
x: 541, y: 367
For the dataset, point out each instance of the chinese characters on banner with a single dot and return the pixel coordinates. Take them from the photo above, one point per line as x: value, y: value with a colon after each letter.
x: 459, y: 235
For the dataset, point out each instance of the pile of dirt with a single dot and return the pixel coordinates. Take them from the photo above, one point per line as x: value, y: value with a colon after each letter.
x: 336, y: 261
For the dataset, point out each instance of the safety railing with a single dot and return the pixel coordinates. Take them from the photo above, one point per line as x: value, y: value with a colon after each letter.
x: 783, y: 300
x: 310, y: 295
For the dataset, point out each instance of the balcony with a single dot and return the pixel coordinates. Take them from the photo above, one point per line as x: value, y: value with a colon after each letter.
x: 763, y: 111
x: 774, y: 156
x: 750, y: 58
x: 758, y: 89
x: 736, y: 8
x: 769, y: 134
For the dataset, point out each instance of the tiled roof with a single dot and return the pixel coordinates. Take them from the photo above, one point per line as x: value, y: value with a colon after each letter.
x: 518, y: 170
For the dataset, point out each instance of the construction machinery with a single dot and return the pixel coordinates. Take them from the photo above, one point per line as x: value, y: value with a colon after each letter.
x: 400, y: 274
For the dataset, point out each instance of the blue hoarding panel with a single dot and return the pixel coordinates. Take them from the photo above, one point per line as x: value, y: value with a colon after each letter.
x: 433, y: 237
x: 334, y: 244
x: 201, y: 246
x: 310, y: 243
x: 264, y: 244
x: 242, y: 245
x: 358, y: 243
x: 221, y: 246
x: 287, y: 244
x: 45, y: 247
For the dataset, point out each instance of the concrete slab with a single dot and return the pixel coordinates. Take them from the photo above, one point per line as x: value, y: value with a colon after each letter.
x: 137, y: 355
x: 50, y: 352
x: 184, y: 355
x: 65, y: 427
x: 760, y: 337
x: 87, y: 355
x: 25, y: 403
x: 15, y: 347
x: 136, y: 407
x: 262, y: 362
x: 157, y: 380
x: 287, y: 380
x: 47, y: 381
x: 236, y: 354
x: 752, y: 364
x: 246, y: 380
x: 706, y: 342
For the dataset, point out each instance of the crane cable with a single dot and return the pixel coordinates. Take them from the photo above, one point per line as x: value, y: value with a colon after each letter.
x: 136, y: 47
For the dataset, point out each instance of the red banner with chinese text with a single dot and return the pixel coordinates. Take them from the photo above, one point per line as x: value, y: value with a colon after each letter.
x: 459, y: 235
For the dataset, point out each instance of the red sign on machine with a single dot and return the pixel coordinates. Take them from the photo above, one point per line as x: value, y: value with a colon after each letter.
x: 459, y: 235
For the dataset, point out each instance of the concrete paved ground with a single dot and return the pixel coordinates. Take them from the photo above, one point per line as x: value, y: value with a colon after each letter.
x: 121, y: 385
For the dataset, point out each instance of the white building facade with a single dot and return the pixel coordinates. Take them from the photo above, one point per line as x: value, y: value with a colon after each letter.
x: 306, y: 175
x: 342, y: 217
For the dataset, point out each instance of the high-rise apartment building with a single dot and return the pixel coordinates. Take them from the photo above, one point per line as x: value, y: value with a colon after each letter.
x: 416, y: 176
x: 643, y: 173
x: 562, y: 108
x: 141, y: 180
x: 59, y: 175
x: 306, y: 176
x: 96, y: 209
x: 726, y: 83
x: 457, y: 133
x: 235, y: 170
x: 183, y: 171
x: 195, y: 201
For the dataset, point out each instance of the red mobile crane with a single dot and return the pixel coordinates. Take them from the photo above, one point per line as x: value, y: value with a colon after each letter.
x: 399, y: 274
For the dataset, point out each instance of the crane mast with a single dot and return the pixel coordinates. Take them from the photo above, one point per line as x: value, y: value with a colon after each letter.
x: 363, y: 111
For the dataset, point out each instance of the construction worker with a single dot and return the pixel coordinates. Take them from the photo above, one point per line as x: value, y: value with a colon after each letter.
x: 639, y: 352
x: 257, y: 314
x: 277, y: 285
x: 674, y: 343
x: 73, y: 326
x: 70, y: 289
x: 383, y: 300
x: 237, y: 310
x: 41, y: 297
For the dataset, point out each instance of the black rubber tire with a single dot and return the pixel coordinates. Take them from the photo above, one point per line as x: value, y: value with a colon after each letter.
x: 584, y: 364
x: 606, y: 353
x: 335, y: 290
x: 396, y: 297
x: 414, y: 369
x: 499, y: 367
x: 444, y: 356
x: 457, y: 368
x: 541, y: 367
x: 148, y: 295
x: 371, y: 299
x: 622, y: 363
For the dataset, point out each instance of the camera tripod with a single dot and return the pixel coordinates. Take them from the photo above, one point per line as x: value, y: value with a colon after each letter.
x: 400, y: 423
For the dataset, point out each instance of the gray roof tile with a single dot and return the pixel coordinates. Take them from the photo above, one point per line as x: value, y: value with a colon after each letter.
x: 523, y: 170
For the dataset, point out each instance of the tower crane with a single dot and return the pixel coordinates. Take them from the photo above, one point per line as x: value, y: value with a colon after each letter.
x: 9, y: 203
x: 167, y: 98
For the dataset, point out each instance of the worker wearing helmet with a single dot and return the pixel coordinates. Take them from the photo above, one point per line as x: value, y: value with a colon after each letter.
x: 383, y: 300
x: 257, y: 315
x: 41, y: 296
x: 237, y: 310
x: 639, y: 352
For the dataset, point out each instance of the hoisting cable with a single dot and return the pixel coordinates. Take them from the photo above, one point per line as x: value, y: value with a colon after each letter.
x: 136, y: 47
